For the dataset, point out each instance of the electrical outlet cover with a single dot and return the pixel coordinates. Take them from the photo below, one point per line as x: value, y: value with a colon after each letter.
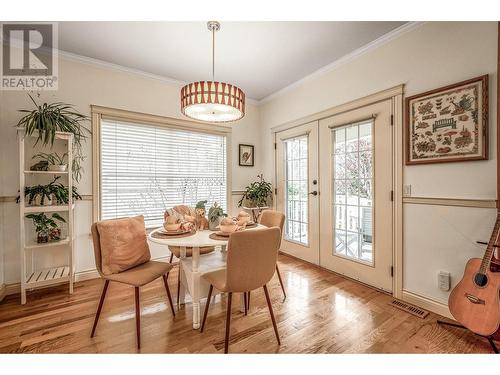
x: 444, y: 281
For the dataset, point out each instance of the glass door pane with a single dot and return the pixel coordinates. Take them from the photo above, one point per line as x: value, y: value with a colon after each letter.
x: 296, y: 185
x: 352, y: 189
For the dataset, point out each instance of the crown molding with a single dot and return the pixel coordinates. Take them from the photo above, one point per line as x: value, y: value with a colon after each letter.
x: 407, y: 27
x: 91, y: 61
x: 386, y: 38
x: 105, y: 64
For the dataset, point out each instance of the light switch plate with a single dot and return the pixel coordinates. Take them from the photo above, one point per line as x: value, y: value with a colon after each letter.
x: 406, y: 190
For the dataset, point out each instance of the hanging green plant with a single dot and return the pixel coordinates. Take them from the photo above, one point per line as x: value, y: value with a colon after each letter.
x: 47, y: 119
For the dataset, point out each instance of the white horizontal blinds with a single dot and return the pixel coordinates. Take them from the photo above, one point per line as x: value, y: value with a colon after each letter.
x: 146, y: 169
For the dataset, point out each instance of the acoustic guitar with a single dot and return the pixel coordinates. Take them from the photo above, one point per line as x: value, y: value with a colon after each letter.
x: 474, y: 302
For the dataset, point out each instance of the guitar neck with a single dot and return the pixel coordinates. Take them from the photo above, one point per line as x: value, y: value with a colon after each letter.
x: 485, y: 264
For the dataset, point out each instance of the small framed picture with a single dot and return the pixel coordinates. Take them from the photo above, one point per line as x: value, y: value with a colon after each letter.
x: 246, y: 155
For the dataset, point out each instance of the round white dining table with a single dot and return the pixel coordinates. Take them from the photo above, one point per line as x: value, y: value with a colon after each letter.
x: 191, y: 269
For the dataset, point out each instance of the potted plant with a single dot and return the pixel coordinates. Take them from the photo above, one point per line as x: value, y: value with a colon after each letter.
x: 257, y: 194
x: 38, y: 195
x: 215, y: 214
x: 47, y: 119
x: 52, y: 193
x: 55, y: 161
x: 46, y: 227
x: 60, y: 194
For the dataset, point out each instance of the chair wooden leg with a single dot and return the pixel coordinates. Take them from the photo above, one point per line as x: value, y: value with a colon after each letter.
x: 281, y: 282
x: 206, y: 307
x: 248, y: 301
x: 272, y: 314
x: 137, y: 317
x: 228, y: 322
x: 99, y: 308
x: 165, y: 281
x: 178, y: 285
x: 245, y: 302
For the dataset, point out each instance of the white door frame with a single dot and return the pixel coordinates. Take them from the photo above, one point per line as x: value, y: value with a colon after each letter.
x: 396, y: 96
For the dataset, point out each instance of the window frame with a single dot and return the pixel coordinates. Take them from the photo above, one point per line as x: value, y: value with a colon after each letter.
x: 99, y: 113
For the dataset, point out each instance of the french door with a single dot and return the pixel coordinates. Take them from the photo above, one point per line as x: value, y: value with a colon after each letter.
x: 356, y: 200
x: 297, y: 190
x: 338, y: 206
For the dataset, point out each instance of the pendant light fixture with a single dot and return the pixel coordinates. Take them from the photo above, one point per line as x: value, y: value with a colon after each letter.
x: 212, y: 101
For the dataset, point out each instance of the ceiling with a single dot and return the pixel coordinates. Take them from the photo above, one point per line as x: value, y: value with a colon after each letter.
x: 259, y: 57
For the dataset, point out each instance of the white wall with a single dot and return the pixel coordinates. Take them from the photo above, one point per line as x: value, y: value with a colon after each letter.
x: 83, y: 84
x: 432, y: 55
x: 427, y: 57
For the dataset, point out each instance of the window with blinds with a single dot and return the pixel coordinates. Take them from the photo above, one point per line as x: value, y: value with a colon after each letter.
x: 146, y: 169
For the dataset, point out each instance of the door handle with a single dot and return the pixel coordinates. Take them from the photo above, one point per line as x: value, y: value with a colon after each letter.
x: 314, y: 193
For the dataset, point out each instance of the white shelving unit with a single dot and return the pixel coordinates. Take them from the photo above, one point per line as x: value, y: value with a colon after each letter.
x: 31, y: 276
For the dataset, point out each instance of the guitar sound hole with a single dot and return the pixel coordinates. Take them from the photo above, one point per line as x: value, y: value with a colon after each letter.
x: 480, y: 279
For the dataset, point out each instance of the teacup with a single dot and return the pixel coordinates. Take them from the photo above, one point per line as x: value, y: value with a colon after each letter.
x: 172, y: 227
x: 242, y: 220
x: 228, y: 228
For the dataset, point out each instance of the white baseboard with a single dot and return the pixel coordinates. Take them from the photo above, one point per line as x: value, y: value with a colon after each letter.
x: 8, y: 289
x: 427, y: 303
x: 86, y: 275
x: 15, y: 288
x: 415, y: 299
x: 12, y: 288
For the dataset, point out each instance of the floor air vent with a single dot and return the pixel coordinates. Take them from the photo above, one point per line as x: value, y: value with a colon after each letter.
x: 413, y: 310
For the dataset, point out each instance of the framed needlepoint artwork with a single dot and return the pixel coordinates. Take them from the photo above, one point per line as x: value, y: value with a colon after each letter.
x: 448, y: 124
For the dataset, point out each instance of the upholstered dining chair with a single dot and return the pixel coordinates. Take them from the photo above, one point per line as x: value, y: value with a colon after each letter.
x: 270, y: 218
x: 122, y: 255
x: 248, y: 267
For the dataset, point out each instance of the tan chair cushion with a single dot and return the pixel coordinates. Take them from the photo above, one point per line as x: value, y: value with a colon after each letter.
x: 251, y: 261
x: 142, y: 274
x: 123, y: 244
x: 176, y: 250
x: 217, y: 279
x: 271, y: 218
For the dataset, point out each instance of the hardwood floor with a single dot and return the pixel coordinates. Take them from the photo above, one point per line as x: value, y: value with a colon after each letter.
x: 323, y: 313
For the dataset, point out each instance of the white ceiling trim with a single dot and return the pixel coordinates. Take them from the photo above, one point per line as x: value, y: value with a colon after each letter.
x: 407, y: 27
x: 324, y: 70
x: 91, y: 61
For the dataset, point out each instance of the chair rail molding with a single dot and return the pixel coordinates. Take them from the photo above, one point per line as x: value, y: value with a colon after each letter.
x: 454, y: 202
